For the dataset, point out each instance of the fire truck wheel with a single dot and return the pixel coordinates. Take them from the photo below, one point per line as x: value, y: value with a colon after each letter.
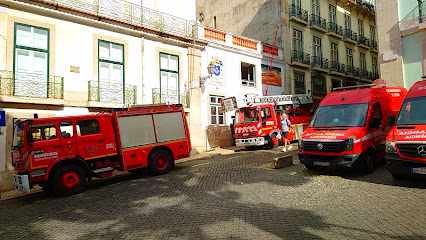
x: 369, y: 162
x: 68, y: 180
x: 160, y: 162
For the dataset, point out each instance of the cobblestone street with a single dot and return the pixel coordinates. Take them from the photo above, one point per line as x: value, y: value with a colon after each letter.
x: 235, y: 196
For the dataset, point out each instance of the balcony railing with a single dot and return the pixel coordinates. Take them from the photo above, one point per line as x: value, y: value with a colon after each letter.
x: 355, y: 71
x: 348, y: 70
x: 335, y: 28
x: 31, y: 85
x: 112, y: 92
x: 349, y: 34
x: 337, y: 67
x: 366, y: 4
x: 375, y: 76
x: 301, y: 57
x: 363, y: 73
x: 363, y: 40
x: 319, y: 62
x: 170, y: 97
x: 128, y: 13
x: 373, y: 44
x: 317, y: 21
x: 298, y: 12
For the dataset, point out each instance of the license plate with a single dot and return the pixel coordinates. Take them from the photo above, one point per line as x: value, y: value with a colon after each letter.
x: 418, y: 170
x: 317, y: 163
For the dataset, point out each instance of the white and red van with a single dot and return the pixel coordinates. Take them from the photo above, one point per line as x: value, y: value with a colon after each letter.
x: 349, y: 127
x: 406, y: 142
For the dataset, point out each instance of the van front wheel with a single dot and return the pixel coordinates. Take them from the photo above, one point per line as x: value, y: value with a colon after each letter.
x: 369, y: 162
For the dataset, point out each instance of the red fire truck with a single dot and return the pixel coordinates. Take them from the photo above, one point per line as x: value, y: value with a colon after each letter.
x: 349, y: 127
x: 257, y: 119
x: 60, y: 154
x: 406, y: 141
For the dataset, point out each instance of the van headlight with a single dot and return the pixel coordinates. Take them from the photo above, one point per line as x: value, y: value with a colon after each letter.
x: 300, y: 143
x: 349, y: 144
x: 390, y: 147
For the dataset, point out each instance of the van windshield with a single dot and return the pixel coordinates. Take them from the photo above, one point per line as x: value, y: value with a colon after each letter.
x: 18, y: 136
x: 247, y: 115
x: 344, y: 115
x: 412, y: 111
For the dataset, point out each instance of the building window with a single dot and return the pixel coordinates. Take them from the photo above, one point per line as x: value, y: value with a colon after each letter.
x: 111, y: 71
x: 319, y: 88
x: 347, y: 21
x: 315, y: 8
x: 169, y: 78
x: 297, y: 3
x: 297, y: 40
x: 374, y: 64
x: 362, y: 62
x: 334, y: 52
x: 335, y: 83
x: 317, y: 47
x: 332, y: 13
x: 299, y: 83
x: 349, y: 57
x: 247, y: 75
x: 31, y: 60
x: 216, y: 113
x: 360, y: 27
x: 373, y: 33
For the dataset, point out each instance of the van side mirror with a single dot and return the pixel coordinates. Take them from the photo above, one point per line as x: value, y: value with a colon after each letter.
x: 391, y: 120
x: 376, y: 122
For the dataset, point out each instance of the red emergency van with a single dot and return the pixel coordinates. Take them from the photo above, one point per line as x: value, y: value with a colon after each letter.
x: 406, y: 142
x: 349, y: 127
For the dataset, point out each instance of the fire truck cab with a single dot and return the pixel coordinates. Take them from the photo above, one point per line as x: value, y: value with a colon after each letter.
x: 406, y: 141
x: 349, y: 127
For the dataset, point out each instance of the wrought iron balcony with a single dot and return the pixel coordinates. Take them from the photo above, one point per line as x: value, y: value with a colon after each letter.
x: 112, y: 92
x: 298, y: 13
x: 363, y: 40
x: 317, y: 21
x: 128, y: 13
x: 355, y: 72
x: 170, y: 97
x: 348, y: 70
x: 366, y: 5
x: 300, y: 57
x: 349, y: 34
x: 375, y: 76
x: 373, y: 44
x: 363, y: 73
x: 337, y: 67
x: 33, y: 85
x: 319, y: 62
x: 335, y: 28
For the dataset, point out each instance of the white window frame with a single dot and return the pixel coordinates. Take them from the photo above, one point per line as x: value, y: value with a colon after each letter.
x: 218, y: 108
x: 251, y: 78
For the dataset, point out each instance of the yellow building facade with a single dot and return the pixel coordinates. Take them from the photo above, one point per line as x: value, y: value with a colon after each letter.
x: 333, y: 44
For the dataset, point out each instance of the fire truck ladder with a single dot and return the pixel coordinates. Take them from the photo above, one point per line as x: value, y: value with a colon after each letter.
x: 297, y: 99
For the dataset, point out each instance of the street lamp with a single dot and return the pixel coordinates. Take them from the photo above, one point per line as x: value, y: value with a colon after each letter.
x: 210, y: 68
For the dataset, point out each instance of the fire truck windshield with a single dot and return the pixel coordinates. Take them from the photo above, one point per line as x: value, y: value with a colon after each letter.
x: 412, y: 111
x: 18, y: 136
x: 344, y: 115
x: 247, y: 115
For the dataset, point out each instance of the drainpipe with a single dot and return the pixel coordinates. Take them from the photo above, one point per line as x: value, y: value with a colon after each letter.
x: 143, y: 66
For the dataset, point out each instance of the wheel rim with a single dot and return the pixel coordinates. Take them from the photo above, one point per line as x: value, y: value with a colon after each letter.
x: 161, y: 161
x: 70, y: 180
x: 274, y: 141
x: 369, y: 162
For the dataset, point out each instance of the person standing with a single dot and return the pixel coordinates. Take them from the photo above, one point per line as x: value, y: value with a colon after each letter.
x: 285, y: 127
